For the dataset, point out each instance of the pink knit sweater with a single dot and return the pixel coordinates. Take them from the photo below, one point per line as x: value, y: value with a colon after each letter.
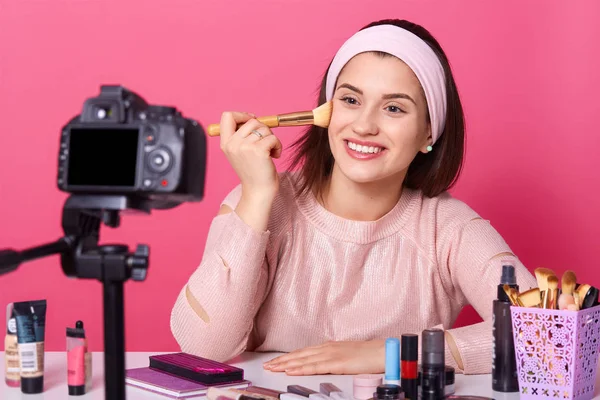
x: 314, y: 277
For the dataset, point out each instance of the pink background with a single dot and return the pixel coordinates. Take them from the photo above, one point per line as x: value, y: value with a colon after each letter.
x: 528, y: 73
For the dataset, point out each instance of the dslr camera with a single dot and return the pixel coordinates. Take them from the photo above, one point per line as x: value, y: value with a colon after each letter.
x: 121, y: 145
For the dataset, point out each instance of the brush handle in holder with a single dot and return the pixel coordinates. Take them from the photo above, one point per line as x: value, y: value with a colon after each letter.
x: 556, y: 352
x: 272, y: 121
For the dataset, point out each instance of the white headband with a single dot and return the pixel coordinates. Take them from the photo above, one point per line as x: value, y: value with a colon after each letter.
x: 409, y: 48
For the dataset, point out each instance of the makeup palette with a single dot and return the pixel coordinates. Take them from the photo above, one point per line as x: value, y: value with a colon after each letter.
x: 196, y: 368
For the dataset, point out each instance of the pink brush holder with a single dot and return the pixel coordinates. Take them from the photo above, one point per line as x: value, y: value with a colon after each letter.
x: 556, y: 352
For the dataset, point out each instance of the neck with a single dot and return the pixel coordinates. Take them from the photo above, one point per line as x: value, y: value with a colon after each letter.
x: 361, y: 201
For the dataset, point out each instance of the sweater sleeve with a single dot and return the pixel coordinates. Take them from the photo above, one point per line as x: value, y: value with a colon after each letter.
x: 214, y: 312
x: 473, y: 266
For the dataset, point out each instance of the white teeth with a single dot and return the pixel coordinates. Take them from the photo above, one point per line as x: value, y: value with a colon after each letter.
x: 364, y: 149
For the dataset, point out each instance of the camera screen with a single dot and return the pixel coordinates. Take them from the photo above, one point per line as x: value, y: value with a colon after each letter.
x: 102, y: 157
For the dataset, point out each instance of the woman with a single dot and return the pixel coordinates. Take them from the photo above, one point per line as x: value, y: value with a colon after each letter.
x: 363, y: 242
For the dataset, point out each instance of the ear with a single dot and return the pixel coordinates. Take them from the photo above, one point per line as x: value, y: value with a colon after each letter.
x: 428, y: 141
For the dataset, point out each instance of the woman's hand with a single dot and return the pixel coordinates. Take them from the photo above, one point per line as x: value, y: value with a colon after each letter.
x: 249, y: 150
x: 339, y: 358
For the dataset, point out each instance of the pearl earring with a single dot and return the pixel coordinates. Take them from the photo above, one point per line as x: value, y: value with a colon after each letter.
x: 429, y: 148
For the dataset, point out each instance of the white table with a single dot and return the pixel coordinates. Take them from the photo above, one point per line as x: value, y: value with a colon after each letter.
x: 55, y: 381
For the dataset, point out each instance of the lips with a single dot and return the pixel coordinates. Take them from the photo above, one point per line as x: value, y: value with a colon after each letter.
x: 363, y: 150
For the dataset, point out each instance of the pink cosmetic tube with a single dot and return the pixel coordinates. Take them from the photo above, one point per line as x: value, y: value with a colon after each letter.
x: 76, y: 352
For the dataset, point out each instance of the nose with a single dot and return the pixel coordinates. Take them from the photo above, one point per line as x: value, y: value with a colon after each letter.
x: 365, y: 123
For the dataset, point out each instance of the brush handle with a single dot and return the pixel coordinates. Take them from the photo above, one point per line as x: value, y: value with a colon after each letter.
x: 272, y: 121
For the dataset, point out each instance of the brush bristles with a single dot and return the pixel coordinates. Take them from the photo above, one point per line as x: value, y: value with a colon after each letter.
x: 542, y: 275
x: 530, y: 298
x: 322, y: 114
x: 569, y: 280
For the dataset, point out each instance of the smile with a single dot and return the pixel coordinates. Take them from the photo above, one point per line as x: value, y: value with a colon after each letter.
x: 363, y: 149
x: 363, y: 152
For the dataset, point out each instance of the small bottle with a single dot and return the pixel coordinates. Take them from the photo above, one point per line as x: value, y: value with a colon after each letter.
x: 433, y: 367
x: 388, y: 392
x: 392, y: 362
x: 77, y: 376
x: 504, y: 363
x: 12, y: 373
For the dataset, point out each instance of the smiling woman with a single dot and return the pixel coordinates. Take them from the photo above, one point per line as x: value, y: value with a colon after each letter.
x: 360, y: 241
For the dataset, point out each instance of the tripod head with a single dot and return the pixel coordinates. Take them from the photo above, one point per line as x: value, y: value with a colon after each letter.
x: 80, y: 254
x: 156, y: 160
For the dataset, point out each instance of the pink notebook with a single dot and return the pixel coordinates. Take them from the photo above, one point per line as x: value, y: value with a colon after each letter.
x: 172, y: 386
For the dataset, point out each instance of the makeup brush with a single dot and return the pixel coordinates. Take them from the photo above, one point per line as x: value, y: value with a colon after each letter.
x: 542, y: 274
x: 512, y: 294
x: 320, y: 116
x: 588, y: 296
x: 582, y: 291
x: 552, y: 291
x: 530, y: 298
x: 568, y: 282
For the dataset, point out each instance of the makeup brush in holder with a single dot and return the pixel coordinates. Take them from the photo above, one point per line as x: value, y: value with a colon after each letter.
x: 320, y: 116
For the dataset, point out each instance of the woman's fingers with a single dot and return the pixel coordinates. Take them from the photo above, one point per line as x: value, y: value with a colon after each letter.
x: 230, y: 121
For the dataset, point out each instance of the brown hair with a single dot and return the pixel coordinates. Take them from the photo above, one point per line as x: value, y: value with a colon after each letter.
x: 432, y: 173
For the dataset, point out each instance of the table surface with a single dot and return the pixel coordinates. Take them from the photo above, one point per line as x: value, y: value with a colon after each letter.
x: 55, y: 381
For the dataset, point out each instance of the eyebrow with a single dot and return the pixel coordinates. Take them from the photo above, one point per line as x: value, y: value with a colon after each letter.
x: 385, y: 96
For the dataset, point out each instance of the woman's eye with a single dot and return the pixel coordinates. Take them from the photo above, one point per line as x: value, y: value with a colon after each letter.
x: 349, y: 100
x: 394, y: 109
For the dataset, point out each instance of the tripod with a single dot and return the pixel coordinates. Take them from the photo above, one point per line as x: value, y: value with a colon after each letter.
x: 111, y: 264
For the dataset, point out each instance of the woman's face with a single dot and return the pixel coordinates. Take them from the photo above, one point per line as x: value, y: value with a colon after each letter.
x: 379, y: 119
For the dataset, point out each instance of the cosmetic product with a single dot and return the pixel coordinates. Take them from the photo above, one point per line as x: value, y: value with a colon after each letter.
x: 468, y: 398
x: 504, y: 363
x: 450, y: 388
x: 388, y: 392
x: 78, y: 361
x: 320, y: 116
x: 530, y: 298
x: 450, y: 378
x: 306, y: 392
x: 392, y: 362
x: 542, y: 275
x: 409, y: 356
x: 264, y: 391
x: 31, y: 325
x: 291, y: 396
x: 568, y: 282
x: 196, y: 368
x: 552, y: 292
x: 432, y: 368
x: 588, y: 296
x: 215, y: 393
x: 329, y: 389
x: 365, y: 384
x: 11, y: 349
x: 254, y: 395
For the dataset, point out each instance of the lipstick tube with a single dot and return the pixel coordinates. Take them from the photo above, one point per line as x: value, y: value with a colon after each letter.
x: 409, y: 360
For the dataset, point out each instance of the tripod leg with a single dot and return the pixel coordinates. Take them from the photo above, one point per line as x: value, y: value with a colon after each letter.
x: 114, y: 341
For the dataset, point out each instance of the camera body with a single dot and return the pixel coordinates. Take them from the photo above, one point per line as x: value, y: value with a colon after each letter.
x: 121, y: 145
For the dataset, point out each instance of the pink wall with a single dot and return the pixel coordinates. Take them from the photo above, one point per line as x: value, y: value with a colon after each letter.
x: 529, y: 74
